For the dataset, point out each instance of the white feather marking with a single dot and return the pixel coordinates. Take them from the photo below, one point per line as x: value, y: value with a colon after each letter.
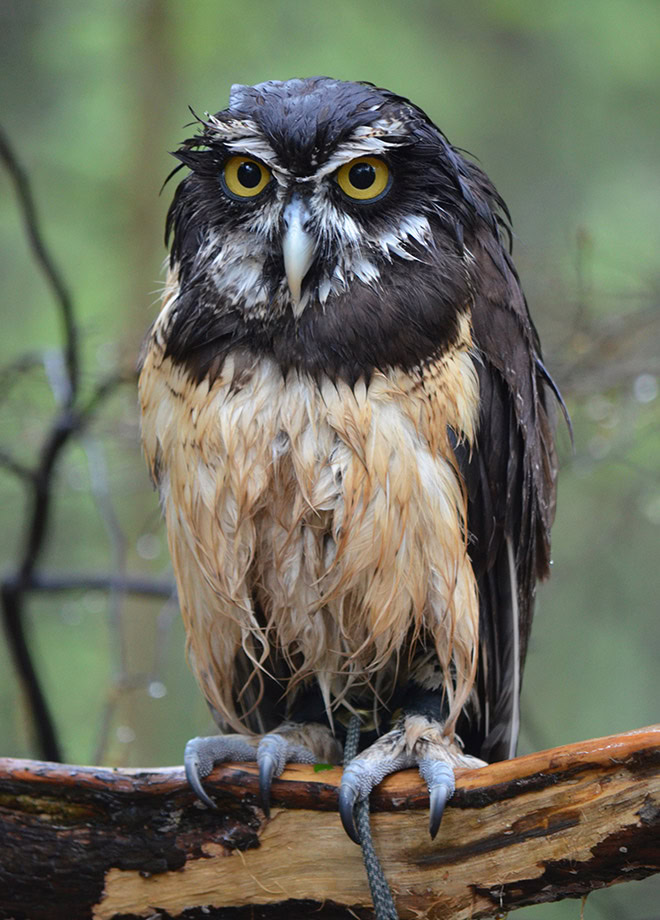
x: 367, y: 140
x: 325, y: 286
x: 416, y: 226
x: 515, y: 651
x: 364, y: 270
x: 239, y: 277
x: 392, y: 244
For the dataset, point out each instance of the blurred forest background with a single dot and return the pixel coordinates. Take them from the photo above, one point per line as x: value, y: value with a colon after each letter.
x: 560, y: 102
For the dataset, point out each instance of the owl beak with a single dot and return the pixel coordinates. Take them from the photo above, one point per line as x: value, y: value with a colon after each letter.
x: 298, y: 246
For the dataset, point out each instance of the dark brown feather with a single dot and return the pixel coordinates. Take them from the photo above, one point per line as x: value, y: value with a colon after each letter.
x: 511, y: 481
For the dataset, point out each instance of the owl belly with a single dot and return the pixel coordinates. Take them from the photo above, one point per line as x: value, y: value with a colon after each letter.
x: 324, y: 521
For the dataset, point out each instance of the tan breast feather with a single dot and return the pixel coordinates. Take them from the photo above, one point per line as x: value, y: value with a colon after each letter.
x: 323, y: 521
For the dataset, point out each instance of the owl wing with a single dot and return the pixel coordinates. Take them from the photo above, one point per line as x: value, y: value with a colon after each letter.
x: 510, y: 477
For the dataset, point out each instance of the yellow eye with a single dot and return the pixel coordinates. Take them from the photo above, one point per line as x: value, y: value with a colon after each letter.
x: 364, y: 179
x: 245, y: 177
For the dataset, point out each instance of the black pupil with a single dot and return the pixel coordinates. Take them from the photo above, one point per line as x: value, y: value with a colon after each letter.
x: 362, y: 175
x: 249, y: 175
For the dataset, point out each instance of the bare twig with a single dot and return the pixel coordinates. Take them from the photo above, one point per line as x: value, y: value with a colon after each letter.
x: 44, y: 260
x: 105, y: 389
x: 12, y: 612
x: 40, y: 494
x: 7, y: 462
x: 12, y: 372
x: 609, y: 354
x: 72, y: 417
x: 144, y: 587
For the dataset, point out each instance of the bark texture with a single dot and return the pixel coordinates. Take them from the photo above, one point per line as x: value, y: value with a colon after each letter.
x: 91, y: 842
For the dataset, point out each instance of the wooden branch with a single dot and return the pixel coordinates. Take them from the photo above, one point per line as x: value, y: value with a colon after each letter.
x: 91, y: 842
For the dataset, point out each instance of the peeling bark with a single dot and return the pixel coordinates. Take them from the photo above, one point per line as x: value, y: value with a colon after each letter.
x: 90, y: 842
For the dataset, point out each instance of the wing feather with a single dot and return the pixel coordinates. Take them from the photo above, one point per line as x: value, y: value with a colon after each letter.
x: 510, y: 476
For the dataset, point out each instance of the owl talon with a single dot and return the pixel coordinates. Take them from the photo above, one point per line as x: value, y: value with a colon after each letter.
x: 439, y: 777
x: 267, y: 767
x: 348, y: 796
x: 202, y: 754
x: 271, y: 760
x: 273, y: 754
x: 360, y: 776
x: 193, y: 775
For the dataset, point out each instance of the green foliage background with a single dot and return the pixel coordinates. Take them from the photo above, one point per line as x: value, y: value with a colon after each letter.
x: 560, y: 103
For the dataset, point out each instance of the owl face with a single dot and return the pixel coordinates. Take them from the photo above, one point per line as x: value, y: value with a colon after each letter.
x: 325, y: 223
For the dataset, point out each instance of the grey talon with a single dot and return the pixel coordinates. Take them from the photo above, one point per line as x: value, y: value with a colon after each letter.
x: 437, y: 801
x: 439, y: 777
x: 348, y: 795
x: 192, y: 767
x: 267, y: 768
x: 272, y: 754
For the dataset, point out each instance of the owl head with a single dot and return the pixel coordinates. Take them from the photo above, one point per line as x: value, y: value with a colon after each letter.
x: 329, y: 225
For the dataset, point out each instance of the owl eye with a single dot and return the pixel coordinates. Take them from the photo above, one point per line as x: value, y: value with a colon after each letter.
x: 364, y: 179
x: 244, y: 177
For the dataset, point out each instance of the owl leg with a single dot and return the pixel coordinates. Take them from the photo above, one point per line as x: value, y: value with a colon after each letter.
x: 417, y: 740
x: 290, y: 743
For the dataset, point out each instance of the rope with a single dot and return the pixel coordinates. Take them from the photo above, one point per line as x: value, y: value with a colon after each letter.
x: 380, y: 890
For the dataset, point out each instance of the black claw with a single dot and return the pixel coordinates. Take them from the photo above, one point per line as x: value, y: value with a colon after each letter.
x: 437, y: 801
x: 439, y: 777
x: 347, y: 799
x: 267, y: 767
x: 191, y: 764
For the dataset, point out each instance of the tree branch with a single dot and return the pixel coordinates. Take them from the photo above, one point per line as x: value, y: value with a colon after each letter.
x: 70, y: 419
x: 83, y: 581
x: 12, y: 615
x: 44, y: 260
x: 7, y: 462
x: 89, y: 841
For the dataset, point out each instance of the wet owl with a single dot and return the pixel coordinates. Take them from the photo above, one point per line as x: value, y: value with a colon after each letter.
x: 346, y: 415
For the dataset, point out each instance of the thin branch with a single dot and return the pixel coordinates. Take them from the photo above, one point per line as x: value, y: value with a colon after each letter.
x: 7, y: 462
x: 143, y: 587
x: 38, y: 517
x: 44, y: 259
x: 101, y: 493
x: 64, y: 377
x: 12, y: 372
x: 13, y: 620
x: 104, y: 390
x: 612, y: 352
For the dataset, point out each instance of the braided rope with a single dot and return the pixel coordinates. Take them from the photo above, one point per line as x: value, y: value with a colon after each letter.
x: 380, y: 890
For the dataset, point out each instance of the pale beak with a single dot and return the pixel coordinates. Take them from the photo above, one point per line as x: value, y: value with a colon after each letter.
x: 298, y: 246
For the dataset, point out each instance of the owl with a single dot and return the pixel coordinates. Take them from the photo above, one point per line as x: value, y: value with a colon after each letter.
x: 347, y: 418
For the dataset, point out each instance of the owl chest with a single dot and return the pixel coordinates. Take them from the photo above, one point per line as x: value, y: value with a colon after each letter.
x: 338, y: 509
x: 280, y: 470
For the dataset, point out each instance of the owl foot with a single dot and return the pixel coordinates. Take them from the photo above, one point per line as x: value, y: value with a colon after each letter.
x: 273, y: 754
x: 292, y: 743
x: 416, y: 741
x: 202, y: 754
